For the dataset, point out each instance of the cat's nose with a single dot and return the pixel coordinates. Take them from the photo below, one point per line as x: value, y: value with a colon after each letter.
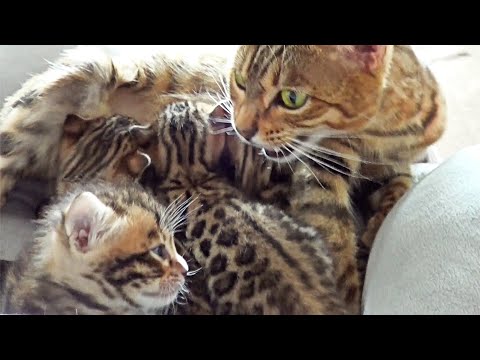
x: 179, y: 264
x: 248, y: 133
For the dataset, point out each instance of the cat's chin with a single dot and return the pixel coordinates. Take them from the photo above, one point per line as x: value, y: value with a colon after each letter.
x: 165, y: 296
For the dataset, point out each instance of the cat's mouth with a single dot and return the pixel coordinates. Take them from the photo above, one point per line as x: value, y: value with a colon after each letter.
x: 284, y: 153
x: 271, y: 153
x: 278, y: 156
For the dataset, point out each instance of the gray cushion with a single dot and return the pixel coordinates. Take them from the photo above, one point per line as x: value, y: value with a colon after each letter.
x: 426, y: 257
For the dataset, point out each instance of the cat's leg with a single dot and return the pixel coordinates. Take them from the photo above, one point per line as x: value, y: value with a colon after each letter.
x: 383, y: 200
x: 321, y: 199
x: 82, y: 83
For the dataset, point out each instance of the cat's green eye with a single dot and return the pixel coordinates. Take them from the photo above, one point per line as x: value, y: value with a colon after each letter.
x: 240, y: 80
x: 293, y: 99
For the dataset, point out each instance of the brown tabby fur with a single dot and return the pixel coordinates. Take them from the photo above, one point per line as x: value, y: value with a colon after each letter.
x: 107, y: 149
x: 52, y: 276
x: 372, y: 111
x: 90, y: 84
x: 131, y: 266
x: 377, y: 107
x: 250, y: 258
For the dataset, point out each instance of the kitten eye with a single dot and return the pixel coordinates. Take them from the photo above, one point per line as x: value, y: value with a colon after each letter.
x: 240, y: 80
x: 293, y: 99
x: 161, y: 251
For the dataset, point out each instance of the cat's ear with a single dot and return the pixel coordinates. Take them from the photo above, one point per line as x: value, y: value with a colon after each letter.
x: 74, y: 126
x: 137, y: 162
x: 142, y: 135
x: 370, y: 58
x: 219, y: 123
x: 83, y: 221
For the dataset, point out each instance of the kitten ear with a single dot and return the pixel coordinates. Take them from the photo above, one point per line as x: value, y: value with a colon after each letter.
x: 83, y: 220
x: 74, y: 126
x: 142, y: 134
x: 216, y: 139
x: 371, y: 58
x: 219, y: 119
x: 138, y: 162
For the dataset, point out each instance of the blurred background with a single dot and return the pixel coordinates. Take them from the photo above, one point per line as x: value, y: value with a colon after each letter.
x: 457, y: 68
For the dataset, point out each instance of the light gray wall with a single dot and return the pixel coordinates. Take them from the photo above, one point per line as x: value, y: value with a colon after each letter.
x: 17, y: 62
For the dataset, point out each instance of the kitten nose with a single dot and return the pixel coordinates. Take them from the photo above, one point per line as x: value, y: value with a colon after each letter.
x: 179, y: 264
x: 248, y: 133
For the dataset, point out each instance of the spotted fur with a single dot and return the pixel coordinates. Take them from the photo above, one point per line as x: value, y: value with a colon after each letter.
x: 251, y: 258
x: 371, y: 111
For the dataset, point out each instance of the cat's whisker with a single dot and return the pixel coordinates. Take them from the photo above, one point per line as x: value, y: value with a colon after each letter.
x: 174, y: 202
x: 221, y: 85
x: 288, y: 162
x: 278, y: 160
x: 325, y: 156
x: 175, y: 216
x: 328, y: 166
x: 221, y: 131
x: 221, y: 102
x: 193, y: 272
x: 315, y: 152
x: 170, y: 209
x: 227, y: 106
x: 223, y: 121
x: 322, y: 149
x: 184, y: 289
x: 318, y: 161
x: 225, y: 90
x: 183, y: 218
x: 303, y: 162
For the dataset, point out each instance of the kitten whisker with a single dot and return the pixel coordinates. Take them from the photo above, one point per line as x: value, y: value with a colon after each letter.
x: 174, y: 216
x: 193, y: 272
x: 183, y: 218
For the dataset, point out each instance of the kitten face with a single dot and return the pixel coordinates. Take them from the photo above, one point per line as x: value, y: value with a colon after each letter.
x: 107, y: 149
x: 121, y: 240
x: 284, y: 96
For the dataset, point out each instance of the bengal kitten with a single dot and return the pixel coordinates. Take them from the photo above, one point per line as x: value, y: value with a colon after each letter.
x: 345, y: 113
x: 100, y: 249
x: 90, y: 84
x: 102, y: 149
x: 107, y: 149
x: 252, y: 258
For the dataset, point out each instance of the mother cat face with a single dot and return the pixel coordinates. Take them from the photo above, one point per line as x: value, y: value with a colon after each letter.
x: 286, y: 95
